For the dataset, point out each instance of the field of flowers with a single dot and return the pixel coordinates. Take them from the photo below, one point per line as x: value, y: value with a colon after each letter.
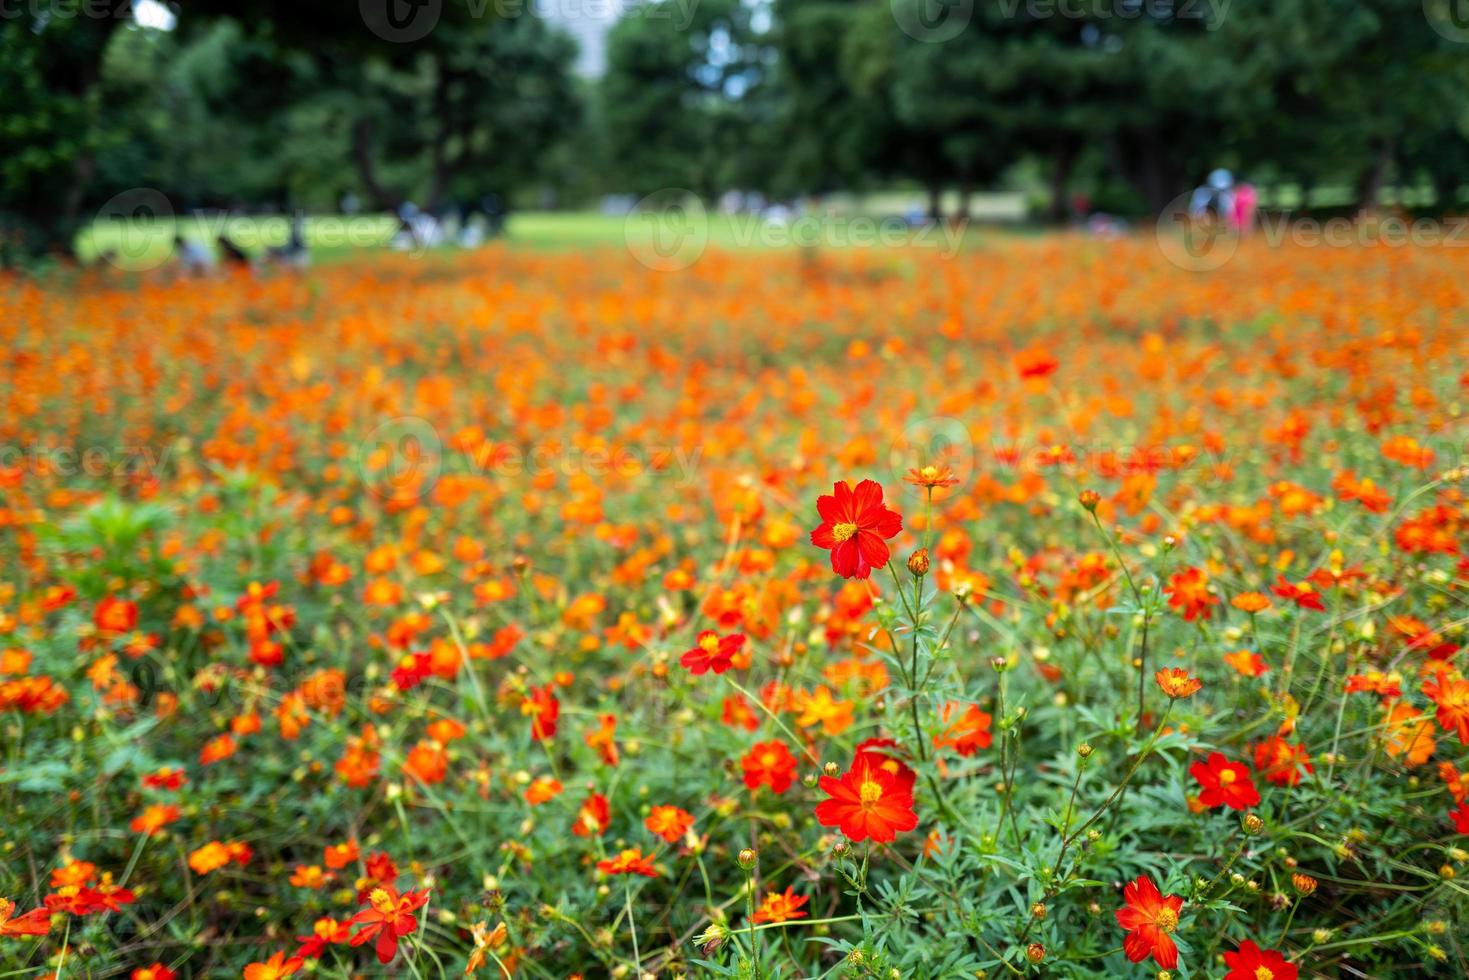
x: 1044, y: 610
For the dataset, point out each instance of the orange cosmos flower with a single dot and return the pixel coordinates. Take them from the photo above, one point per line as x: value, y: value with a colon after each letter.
x: 1149, y: 918
x: 1247, y: 663
x: 1280, y: 762
x: 603, y: 739
x: 867, y: 801
x: 1224, y: 783
x: 629, y: 861
x: 1188, y: 592
x: 1176, y: 683
x: 593, y: 817
x: 771, y: 764
x: 781, y: 906
x: 932, y: 477
x: 1250, y: 602
x: 155, y: 972
x: 210, y: 857
x: 115, y: 616
x: 275, y: 968
x: 966, y: 734
x: 855, y: 527
x: 388, y: 918
x: 1451, y: 695
x: 338, y: 856
x: 668, y: 822
x: 154, y: 819
x: 542, y: 789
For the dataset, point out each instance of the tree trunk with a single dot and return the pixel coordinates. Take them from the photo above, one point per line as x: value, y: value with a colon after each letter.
x: 382, y: 197
x: 1370, y: 189
x: 935, y: 201
x: 961, y: 210
x: 1061, y: 167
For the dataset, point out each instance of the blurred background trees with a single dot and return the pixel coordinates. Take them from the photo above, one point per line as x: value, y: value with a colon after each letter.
x: 258, y: 105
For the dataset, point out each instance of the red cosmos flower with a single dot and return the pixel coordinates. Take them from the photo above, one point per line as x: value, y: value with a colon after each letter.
x: 36, y: 922
x: 1253, y: 963
x: 1303, y: 595
x: 1149, y: 918
x: 545, y: 709
x: 113, y: 616
x: 770, y: 763
x: 886, y: 754
x: 629, y: 862
x: 867, y: 801
x: 594, y: 817
x: 855, y: 526
x: 1460, y: 817
x: 1281, y: 762
x: 1188, y: 592
x: 154, y: 819
x: 155, y: 972
x: 325, y: 932
x: 711, y: 652
x: 388, y: 919
x: 1224, y: 783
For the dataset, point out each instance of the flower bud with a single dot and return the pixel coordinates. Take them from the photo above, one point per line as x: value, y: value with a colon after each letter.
x: 918, y: 563
x: 1038, y: 910
x: 1252, y: 824
x: 1303, y: 884
x: 1035, y: 952
x: 1084, y: 750
x: 747, y: 859
x: 1089, y: 499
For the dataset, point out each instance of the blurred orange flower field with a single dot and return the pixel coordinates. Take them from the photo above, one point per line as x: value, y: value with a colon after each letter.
x: 1044, y: 610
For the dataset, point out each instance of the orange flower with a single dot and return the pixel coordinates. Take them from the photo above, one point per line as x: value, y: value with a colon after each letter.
x: 668, y: 822
x: 1451, y: 695
x: 629, y: 861
x: 932, y: 477
x: 155, y: 972
x: 967, y: 734
x: 593, y: 818
x: 781, y: 906
x: 210, y: 857
x: 1188, y: 592
x: 1280, y: 762
x: 1150, y: 919
x: 1176, y: 683
x: 1247, y: 663
x: 275, y: 968
x: 1250, y: 602
x: 867, y: 801
x: 338, y: 856
x: 154, y: 819
x: 542, y: 789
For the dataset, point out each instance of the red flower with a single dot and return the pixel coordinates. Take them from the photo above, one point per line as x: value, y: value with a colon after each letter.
x: 855, y: 526
x: 1254, y: 963
x: 1149, y: 918
x: 593, y: 818
x: 1281, y: 762
x: 1225, y: 783
x: 545, y: 709
x: 770, y: 763
x: 710, y: 652
x: 388, y: 918
x: 1452, y: 698
x: 1303, y: 595
x: 1188, y: 592
x: 155, y: 972
x: 629, y: 862
x: 36, y: 922
x: 867, y: 801
x: 114, y: 615
x: 1460, y: 817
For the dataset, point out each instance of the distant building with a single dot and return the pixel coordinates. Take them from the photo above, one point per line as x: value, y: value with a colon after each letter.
x: 587, y: 21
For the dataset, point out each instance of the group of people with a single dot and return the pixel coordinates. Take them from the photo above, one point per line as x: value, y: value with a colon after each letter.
x: 467, y: 225
x: 1219, y: 198
x: 195, y: 258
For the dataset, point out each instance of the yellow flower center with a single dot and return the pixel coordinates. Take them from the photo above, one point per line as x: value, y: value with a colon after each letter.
x: 709, y: 643
x: 870, y: 792
x: 842, y: 532
x: 1264, y: 973
x: 1226, y: 777
x: 382, y: 901
x: 1167, y: 920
